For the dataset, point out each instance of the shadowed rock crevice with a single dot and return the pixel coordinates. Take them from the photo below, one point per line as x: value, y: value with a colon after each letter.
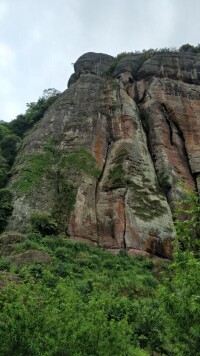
x: 169, y: 123
x: 174, y: 127
x: 124, y: 233
x: 97, y: 189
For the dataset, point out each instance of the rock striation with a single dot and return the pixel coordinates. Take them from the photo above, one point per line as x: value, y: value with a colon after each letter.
x: 108, y: 156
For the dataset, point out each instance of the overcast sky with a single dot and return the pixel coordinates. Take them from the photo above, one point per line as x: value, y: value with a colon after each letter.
x: 39, y: 39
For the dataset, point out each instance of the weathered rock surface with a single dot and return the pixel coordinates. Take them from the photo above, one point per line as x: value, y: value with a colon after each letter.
x: 31, y: 256
x: 8, y: 241
x: 112, y: 150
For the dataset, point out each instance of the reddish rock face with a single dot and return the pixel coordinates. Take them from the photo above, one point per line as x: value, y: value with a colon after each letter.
x: 120, y: 146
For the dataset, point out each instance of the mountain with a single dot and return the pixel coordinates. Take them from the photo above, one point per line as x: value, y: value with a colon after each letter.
x: 114, y: 153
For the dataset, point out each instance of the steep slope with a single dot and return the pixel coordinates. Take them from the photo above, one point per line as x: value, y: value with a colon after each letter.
x: 106, y: 158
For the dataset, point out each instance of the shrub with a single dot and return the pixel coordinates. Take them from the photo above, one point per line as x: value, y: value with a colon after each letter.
x: 43, y: 223
x: 5, y: 265
x: 5, y: 207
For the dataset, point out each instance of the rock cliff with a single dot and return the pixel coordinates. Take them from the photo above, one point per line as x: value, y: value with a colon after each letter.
x: 107, y: 156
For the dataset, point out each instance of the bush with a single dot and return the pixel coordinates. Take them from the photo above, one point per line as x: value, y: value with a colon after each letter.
x: 5, y: 265
x: 5, y: 207
x: 43, y: 223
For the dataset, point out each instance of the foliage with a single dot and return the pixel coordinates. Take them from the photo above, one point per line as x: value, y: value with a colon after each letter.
x: 5, y: 207
x: 8, y: 147
x: 41, y: 320
x: 189, y: 48
x: 31, y: 171
x: 117, y: 59
x: 64, y: 166
x: 3, y: 171
x: 117, y: 177
x: 5, y: 264
x: 146, y: 54
x: 12, y: 132
x: 187, y: 222
x: 82, y: 160
x: 89, y: 302
x: 180, y: 292
x: 43, y: 223
x: 64, y: 201
x: 86, y: 302
x: 164, y: 181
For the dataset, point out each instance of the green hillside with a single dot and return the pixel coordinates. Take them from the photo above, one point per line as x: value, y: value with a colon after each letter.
x: 60, y: 297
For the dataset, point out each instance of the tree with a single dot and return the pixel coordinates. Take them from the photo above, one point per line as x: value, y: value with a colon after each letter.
x: 186, y: 48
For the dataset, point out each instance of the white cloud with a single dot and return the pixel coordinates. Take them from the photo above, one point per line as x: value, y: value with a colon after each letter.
x: 3, y: 9
x: 7, y: 57
x: 36, y: 35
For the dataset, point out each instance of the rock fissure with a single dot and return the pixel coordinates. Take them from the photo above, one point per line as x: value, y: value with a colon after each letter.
x: 124, y: 232
x: 172, y: 123
x: 98, y: 183
x: 169, y: 123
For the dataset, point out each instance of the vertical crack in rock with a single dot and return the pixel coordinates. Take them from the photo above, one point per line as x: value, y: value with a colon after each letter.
x: 124, y: 233
x: 97, y: 188
x: 171, y: 123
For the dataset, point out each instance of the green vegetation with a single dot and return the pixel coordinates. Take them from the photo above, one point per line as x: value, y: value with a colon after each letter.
x: 64, y: 201
x: 31, y: 172
x: 164, y: 180
x: 118, y: 177
x: 8, y: 147
x: 59, y: 166
x: 180, y: 290
x: 5, y: 207
x: 64, y: 166
x: 146, y: 198
x: 117, y: 59
x: 12, y: 132
x: 43, y: 223
x: 146, y: 54
x: 88, y: 302
x: 189, y: 48
x: 82, y: 160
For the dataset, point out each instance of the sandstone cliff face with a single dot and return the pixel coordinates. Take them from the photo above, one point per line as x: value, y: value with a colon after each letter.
x: 108, y: 154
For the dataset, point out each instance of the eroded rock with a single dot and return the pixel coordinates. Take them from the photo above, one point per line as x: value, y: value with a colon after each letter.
x: 31, y: 256
x: 8, y: 241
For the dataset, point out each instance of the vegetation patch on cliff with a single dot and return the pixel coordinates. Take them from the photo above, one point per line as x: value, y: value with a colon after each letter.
x: 82, y: 160
x: 31, y: 172
x: 147, y: 200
